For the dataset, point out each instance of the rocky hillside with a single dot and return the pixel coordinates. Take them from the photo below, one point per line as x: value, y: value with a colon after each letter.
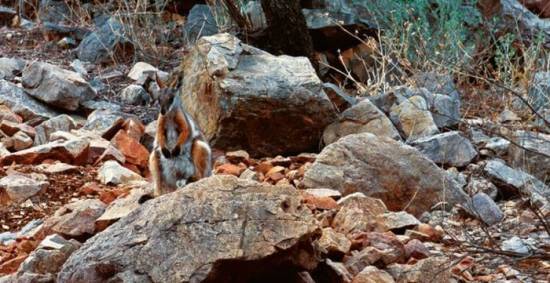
x: 346, y: 164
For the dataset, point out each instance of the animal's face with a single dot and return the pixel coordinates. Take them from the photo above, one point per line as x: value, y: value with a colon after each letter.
x: 166, y: 98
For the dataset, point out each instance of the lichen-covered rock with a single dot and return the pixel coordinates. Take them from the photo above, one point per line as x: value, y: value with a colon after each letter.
x: 245, y: 98
x: 211, y: 230
x: 363, y: 117
x: 383, y: 168
x: 55, y: 86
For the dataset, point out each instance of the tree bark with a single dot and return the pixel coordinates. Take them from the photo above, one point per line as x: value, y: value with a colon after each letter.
x: 287, y: 31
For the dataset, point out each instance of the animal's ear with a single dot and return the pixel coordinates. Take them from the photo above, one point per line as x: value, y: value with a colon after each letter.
x: 159, y: 81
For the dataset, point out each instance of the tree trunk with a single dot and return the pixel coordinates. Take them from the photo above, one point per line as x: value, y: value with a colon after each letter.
x: 287, y: 31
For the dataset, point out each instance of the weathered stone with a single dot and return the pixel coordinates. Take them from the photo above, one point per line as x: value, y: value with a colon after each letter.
x: 481, y: 185
x: 497, y: 145
x: 200, y: 22
x: 107, y: 42
x: 105, y: 123
x: 391, y: 249
x: 113, y: 173
x: 363, y: 117
x: 21, y: 141
x: 341, y: 99
x: 516, y: 245
x: 358, y: 260
x: 141, y: 72
x: 357, y: 214
x: 55, y: 86
x: 258, y: 102
x: 334, y: 243
x: 413, y: 118
x: 486, y: 209
x: 22, y: 103
x: 79, y: 67
x: 508, y: 116
x: 516, y: 181
x: 432, y: 269
x: 92, y: 105
x: 10, y: 128
x: 7, y: 115
x: 57, y: 168
x: 371, y: 274
x: 531, y: 153
x: 450, y: 149
x: 324, y: 193
x: 134, y: 95
x: 59, y: 123
x: 336, y: 272
x: 134, y: 152
x: 237, y: 156
x: 206, y: 230
x: 416, y: 249
x: 437, y: 83
x: 123, y: 206
x: 445, y: 109
x: 383, y: 168
x: 392, y: 221
x: 20, y: 187
x: 49, y: 256
x: 71, y: 151
x: 11, y: 67
x: 102, y: 150
x: 76, y: 219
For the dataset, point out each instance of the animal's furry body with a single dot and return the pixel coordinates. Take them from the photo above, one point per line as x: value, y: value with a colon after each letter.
x: 180, y: 154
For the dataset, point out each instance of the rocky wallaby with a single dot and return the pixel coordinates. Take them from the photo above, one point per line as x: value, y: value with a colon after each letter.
x: 180, y: 153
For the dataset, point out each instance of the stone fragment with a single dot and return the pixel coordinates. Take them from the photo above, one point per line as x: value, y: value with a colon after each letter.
x: 113, y: 173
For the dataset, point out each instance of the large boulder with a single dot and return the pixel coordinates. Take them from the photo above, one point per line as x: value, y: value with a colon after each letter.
x: 383, y: 168
x: 363, y: 117
x: 245, y: 98
x: 55, y: 86
x: 219, y: 229
x: 23, y: 104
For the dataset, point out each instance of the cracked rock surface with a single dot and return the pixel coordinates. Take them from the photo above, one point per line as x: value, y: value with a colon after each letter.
x: 210, y: 230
